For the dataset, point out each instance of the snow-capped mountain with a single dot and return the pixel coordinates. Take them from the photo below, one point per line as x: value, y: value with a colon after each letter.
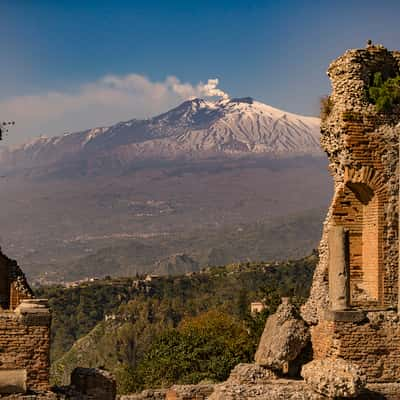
x: 196, y: 128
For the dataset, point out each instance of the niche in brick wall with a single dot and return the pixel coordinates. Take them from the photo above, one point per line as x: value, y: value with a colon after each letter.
x: 359, y: 209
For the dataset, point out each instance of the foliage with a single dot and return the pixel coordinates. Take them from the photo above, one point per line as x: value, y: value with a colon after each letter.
x: 384, y: 93
x: 77, y: 310
x: 325, y: 106
x: 205, y: 347
x: 129, y: 380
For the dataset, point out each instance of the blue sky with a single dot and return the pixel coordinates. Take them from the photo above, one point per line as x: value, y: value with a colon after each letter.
x: 69, y: 65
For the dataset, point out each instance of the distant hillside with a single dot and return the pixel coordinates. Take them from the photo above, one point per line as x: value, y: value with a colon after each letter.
x: 214, y: 211
x: 176, y: 264
x: 292, y: 236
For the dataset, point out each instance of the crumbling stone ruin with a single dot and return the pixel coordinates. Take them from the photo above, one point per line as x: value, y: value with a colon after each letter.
x: 352, y: 311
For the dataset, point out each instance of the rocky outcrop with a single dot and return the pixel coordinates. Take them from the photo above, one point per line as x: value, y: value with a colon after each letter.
x: 334, y: 377
x: 285, y: 336
x: 176, y: 264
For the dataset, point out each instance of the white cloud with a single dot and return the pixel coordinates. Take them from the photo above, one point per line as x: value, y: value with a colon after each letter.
x: 110, y: 99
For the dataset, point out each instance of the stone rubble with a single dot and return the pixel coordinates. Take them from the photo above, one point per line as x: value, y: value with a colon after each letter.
x: 281, y: 389
x: 334, y: 377
x: 150, y: 394
x: 251, y: 374
x: 189, y: 392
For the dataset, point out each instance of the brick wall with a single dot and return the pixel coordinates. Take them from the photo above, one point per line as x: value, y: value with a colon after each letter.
x: 371, y: 250
x: 373, y: 344
x: 360, y: 206
x: 25, y: 344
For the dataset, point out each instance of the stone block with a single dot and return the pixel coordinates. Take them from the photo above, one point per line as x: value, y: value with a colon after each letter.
x: 12, y: 381
x: 34, y: 312
x: 345, y: 315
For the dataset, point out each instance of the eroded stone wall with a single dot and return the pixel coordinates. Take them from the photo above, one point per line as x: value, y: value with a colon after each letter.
x: 13, y: 285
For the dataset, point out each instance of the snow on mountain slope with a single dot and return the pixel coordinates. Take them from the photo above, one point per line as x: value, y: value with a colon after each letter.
x: 196, y: 128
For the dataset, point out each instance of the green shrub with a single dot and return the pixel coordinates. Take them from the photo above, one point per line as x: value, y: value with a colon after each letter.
x: 205, y: 347
x: 384, y: 93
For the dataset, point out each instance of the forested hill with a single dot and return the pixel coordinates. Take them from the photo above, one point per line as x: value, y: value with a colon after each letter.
x: 116, y: 323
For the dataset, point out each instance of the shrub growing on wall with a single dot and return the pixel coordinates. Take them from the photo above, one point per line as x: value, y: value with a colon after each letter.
x: 384, y: 93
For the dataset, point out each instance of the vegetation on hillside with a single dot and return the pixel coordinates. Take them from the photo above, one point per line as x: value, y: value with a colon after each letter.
x: 190, y: 327
x: 205, y: 347
x: 385, y: 94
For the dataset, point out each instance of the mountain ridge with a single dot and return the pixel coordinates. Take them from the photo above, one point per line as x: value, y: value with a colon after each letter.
x: 194, y: 129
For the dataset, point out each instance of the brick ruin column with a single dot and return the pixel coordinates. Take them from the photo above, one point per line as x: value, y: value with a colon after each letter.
x: 354, y: 306
x: 338, y: 272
